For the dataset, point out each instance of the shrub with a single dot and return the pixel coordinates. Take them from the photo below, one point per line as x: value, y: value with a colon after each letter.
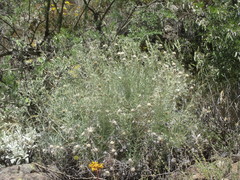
x: 111, y: 108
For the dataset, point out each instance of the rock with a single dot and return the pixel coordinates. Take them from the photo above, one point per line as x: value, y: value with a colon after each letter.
x: 26, y: 172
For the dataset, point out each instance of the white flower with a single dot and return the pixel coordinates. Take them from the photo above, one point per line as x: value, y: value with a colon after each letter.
x: 132, y: 169
x: 113, y: 150
x: 149, y: 104
x: 120, y: 53
x: 90, y: 129
x: 119, y: 111
x: 106, y: 173
x: 130, y: 161
x: 95, y: 149
x: 123, y: 133
x: 114, y: 122
x: 76, y: 147
x: 139, y: 106
x: 112, y: 142
x: 159, y: 138
x: 88, y: 145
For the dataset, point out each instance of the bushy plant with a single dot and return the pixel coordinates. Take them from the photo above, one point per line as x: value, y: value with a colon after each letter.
x: 17, y: 145
x: 118, y: 104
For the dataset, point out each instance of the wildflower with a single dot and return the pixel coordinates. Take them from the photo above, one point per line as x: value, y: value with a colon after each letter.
x: 76, y: 146
x: 112, y: 142
x: 119, y: 111
x: 114, y: 122
x: 90, y: 129
x: 95, y: 149
x: 106, y: 173
x: 76, y: 158
x: 95, y: 166
x: 53, y: 9
x: 132, y: 169
x: 120, y: 53
x: 139, y: 106
x: 160, y: 138
x: 149, y: 104
x: 130, y: 161
x: 113, y: 150
x: 88, y: 145
x: 67, y: 2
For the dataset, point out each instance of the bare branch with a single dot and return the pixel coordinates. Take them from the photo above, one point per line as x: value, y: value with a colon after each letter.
x: 80, y: 16
x: 47, y: 20
x: 123, y: 25
x: 88, y: 7
x: 107, y: 10
x: 34, y: 32
x: 11, y: 26
x: 6, y: 54
x: 60, y: 18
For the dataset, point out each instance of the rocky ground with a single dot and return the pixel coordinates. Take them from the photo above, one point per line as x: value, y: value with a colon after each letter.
x: 29, y: 172
x: 225, y: 167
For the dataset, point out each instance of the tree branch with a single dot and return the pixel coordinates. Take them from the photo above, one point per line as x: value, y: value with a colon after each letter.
x: 12, y: 27
x: 47, y: 20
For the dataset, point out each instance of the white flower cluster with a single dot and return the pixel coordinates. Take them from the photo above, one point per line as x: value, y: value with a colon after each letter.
x: 16, y: 145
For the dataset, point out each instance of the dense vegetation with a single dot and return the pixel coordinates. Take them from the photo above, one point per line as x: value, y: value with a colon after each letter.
x: 148, y: 88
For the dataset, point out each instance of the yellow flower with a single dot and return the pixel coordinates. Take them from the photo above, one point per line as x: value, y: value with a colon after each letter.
x: 78, y: 66
x: 67, y: 2
x: 95, y: 166
x: 53, y: 8
x: 76, y: 158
